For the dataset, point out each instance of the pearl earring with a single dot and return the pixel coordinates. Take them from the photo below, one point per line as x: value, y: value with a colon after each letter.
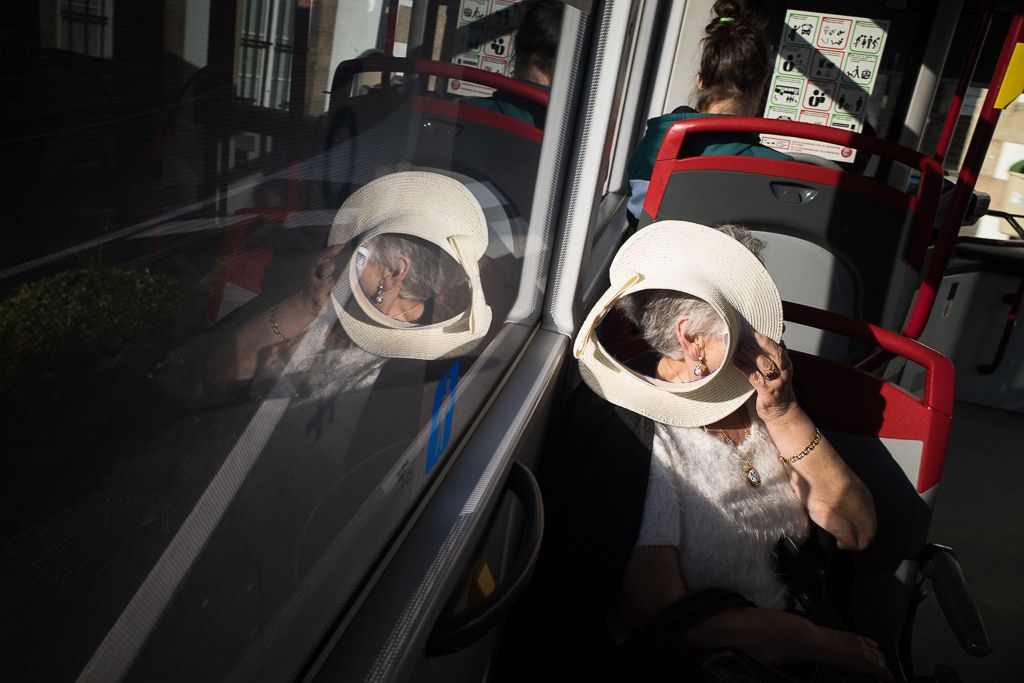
x: 378, y: 298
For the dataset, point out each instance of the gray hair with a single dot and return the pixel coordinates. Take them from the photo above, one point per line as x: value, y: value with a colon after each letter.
x: 656, y: 311
x: 429, y: 273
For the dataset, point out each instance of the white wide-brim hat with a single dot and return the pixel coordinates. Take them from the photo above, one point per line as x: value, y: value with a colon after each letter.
x: 432, y: 207
x: 702, y: 262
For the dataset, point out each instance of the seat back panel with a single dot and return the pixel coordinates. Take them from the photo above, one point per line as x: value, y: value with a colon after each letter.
x: 864, y: 226
x: 880, y: 233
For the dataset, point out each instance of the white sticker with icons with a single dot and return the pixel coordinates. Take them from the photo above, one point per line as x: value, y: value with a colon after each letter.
x: 868, y: 36
x: 496, y: 66
x: 801, y: 28
x: 793, y: 60
x: 786, y: 91
x: 471, y: 10
x: 819, y: 118
x: 500, y: 46
x: 851, y: 100
x: 818, y: 96
x: 485, y: 40
x: 826, y: 67
x: 781, y: 113
x: 845, y: 122
x: 834, y: 33
x: 861, y: 69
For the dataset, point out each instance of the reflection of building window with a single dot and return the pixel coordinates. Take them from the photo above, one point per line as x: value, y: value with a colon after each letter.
x: 265, y: 52
x: 85, y: 27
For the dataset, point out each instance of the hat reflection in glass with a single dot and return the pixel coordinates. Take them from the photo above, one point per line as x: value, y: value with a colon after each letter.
x: 696, y: 293
x: 413, y: 289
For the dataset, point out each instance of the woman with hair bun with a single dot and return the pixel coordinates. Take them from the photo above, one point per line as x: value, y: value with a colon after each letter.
x: 735, y: 68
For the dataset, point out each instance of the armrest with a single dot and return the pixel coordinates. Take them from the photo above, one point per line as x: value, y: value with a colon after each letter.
x: 956, y: 600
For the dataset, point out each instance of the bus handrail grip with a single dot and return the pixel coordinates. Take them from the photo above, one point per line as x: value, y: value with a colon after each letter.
x: 673, y: 143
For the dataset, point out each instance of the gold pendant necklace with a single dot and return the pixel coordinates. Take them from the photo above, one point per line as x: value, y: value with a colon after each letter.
x: 750, y: 473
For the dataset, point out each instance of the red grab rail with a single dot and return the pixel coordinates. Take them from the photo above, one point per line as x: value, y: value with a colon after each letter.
x: 345, y: 72
x: 673, y: 142
x: 926, y: 201
x: 884, y: 407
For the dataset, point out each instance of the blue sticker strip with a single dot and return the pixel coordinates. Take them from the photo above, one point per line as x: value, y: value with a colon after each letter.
x: 438, y: 439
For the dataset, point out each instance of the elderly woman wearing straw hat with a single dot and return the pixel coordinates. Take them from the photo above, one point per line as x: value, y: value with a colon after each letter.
x: 683, y: 469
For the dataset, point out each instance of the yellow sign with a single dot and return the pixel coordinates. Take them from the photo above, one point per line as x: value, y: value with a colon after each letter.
x: 1013, y: 81
x: 482, y: 584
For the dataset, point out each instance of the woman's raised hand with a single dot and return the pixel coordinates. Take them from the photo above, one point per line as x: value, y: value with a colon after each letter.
x: 770, y: 372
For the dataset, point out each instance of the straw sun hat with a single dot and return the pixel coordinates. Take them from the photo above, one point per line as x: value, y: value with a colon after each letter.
x: 702, y: 262
x: 434, y: 208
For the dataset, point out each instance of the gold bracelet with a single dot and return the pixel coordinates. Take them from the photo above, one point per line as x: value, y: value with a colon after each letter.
x: 810, y: 447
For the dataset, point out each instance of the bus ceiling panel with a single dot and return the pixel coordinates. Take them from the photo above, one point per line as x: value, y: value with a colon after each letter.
x: 387, y: 637
x: 590, y: 156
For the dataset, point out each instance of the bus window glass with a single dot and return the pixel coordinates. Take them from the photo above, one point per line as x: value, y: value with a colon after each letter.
x: 253, y: 252
x: 1001, y: 176
x: 1002, y: 173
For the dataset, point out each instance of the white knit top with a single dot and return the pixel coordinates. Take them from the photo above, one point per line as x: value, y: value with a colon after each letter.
x: 698, y: 499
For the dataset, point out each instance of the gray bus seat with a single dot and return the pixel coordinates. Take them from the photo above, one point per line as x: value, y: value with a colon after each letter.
x: 836, y: 240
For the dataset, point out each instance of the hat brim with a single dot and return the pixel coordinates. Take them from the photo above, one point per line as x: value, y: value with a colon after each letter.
x: 703, y: 262
x: 418, y: 203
